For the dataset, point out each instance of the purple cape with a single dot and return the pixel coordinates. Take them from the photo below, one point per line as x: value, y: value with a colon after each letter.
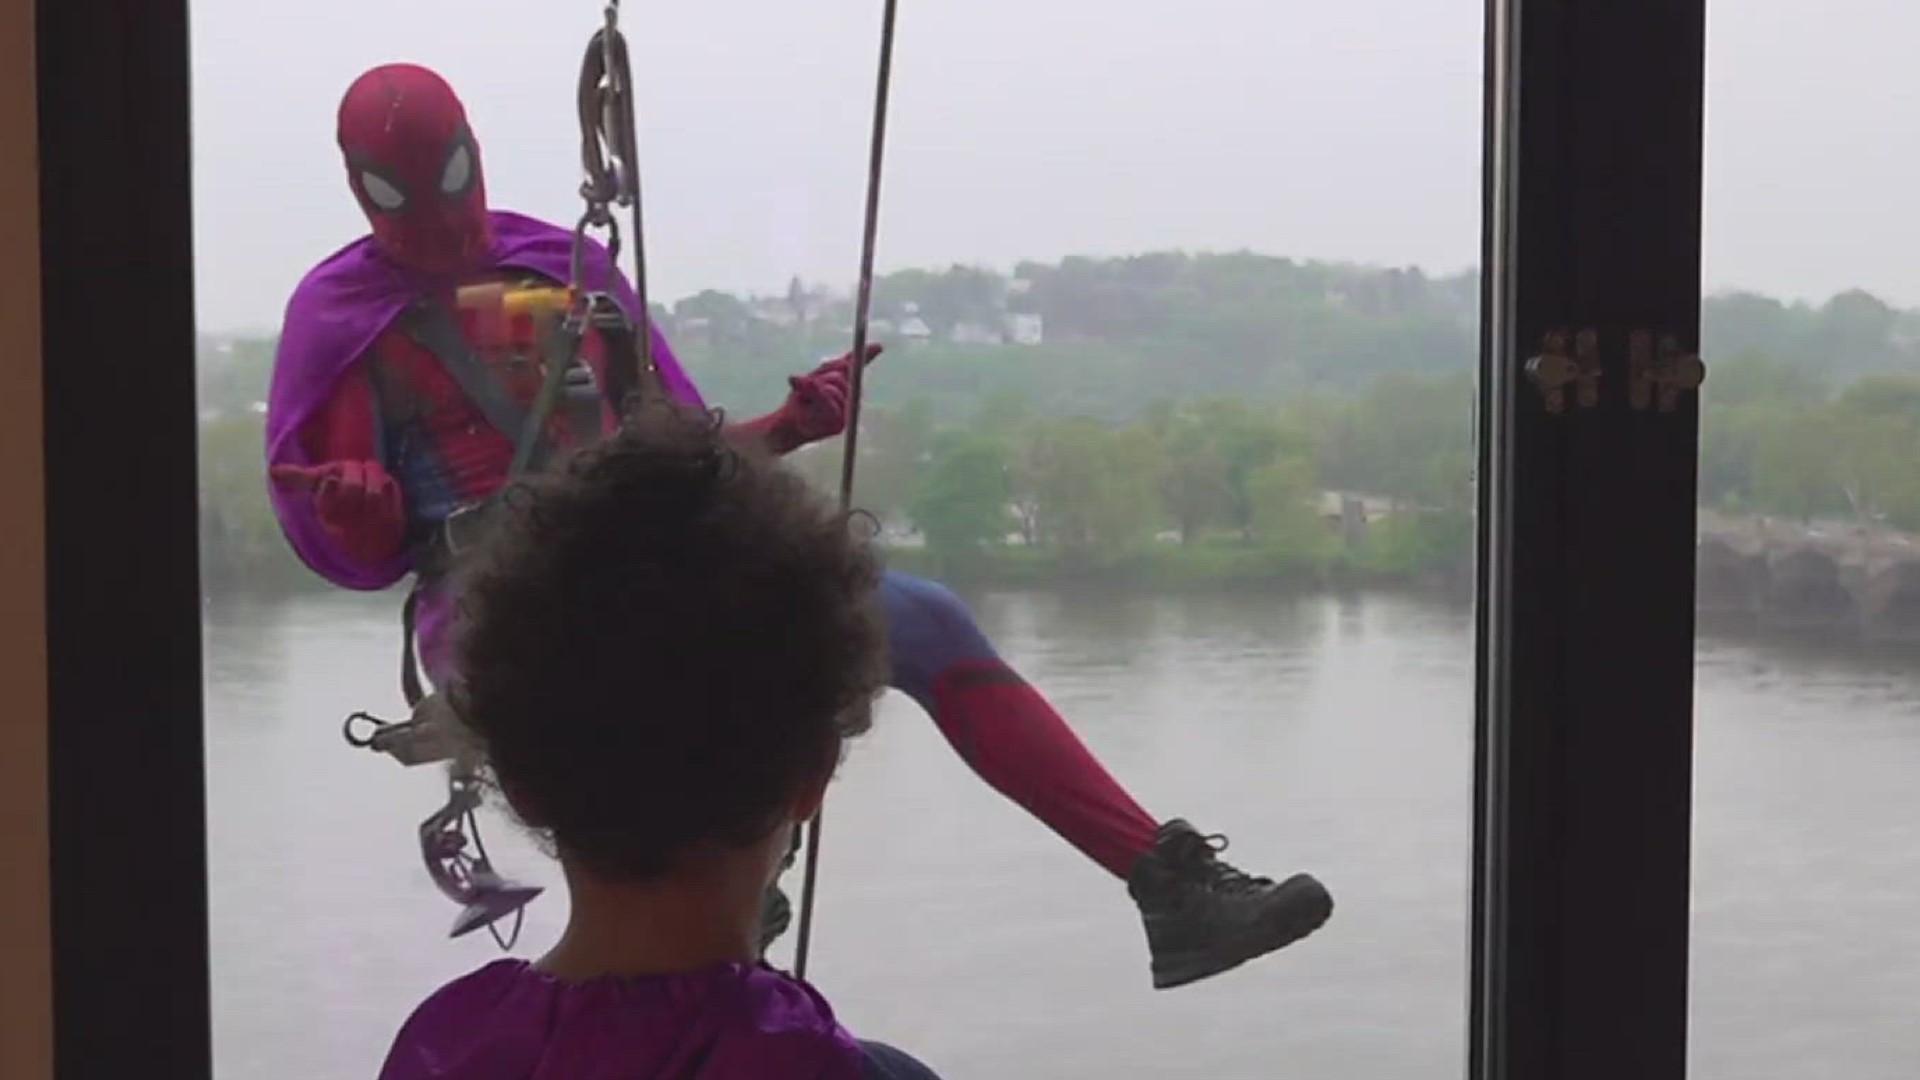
x: 336, y: 314
x: 508, y: 1021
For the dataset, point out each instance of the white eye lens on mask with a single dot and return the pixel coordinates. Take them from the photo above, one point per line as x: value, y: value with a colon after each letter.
x: 459, y: 171
x: 382, y: 194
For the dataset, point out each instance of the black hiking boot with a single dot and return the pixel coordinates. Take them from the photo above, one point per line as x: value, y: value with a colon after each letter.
x: 1204, y: 917
x: 776, y: 911
x: 776, y: 914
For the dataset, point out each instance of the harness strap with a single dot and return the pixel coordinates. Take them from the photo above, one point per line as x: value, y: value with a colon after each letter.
x: 583, y: 399
x: 627, y: 373
x: 433, y: 327
x: 562, y: 352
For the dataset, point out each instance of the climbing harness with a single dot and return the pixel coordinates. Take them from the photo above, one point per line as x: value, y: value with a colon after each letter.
x: 862, y: 309
x: 431, y: 733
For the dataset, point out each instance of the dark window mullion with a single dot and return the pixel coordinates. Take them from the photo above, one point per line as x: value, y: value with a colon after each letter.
x: 1587, y: 625
x: 125, y: 765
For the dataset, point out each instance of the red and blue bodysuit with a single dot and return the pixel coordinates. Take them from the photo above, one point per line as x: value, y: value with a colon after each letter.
x: 372, y: 442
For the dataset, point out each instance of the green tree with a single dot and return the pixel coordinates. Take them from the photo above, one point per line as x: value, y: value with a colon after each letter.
x: 1286, y: 515
x: 1746, y: 395
x: 1195, y: 490
x: 895, y: 447
x: 1410, y: 438
x: 1094, y: 489
x: 1004, y: 414
x: 1759, y: 378
x: 1795, y: 470
x: 1063, y: 463
x: 1008, y: 416
x: 1874, y: 433
x: 960, y: 503
x: 241, y: 537
x: 1245, y: 440
x: 1128, y: 505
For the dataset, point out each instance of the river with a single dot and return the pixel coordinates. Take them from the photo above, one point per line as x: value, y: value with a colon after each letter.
x: 1321, y: 733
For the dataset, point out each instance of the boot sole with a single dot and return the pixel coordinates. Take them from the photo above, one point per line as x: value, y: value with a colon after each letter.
x: 775, y: 919
x: 1306, y: 907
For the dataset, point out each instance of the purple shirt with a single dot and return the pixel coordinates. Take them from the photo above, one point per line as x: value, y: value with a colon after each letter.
x: 508, y: 1021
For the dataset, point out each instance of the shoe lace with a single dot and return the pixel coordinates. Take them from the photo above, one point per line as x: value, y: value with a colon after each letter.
x: 1204, y: 865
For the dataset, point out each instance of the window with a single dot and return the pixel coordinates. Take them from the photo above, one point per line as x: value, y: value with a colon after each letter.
x: 1217, y: 407
x: 1802, y: 945
x: 1579, y: 947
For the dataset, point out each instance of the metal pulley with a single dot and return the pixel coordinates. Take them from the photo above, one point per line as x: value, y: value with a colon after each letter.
x: 610, y: 157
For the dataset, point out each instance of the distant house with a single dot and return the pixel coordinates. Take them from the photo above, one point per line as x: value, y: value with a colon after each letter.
x: 797, y: 308
x: 1001, y: 323
x: 915, y: 329
x: 778, y: 312
x: 968, y: 332
x: 694, y: 328
x: 911, y: 329
x: 1003, y: 329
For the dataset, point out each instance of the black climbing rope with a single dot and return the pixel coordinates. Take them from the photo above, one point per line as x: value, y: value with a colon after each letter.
x: 610, y: 156
x: 863, y: 304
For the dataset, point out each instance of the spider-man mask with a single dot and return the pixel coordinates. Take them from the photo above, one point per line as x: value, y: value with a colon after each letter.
x: 415, y: 167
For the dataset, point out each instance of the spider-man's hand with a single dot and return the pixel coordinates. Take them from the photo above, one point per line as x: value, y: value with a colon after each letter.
x: 817, y: 402
x: 358, y: 502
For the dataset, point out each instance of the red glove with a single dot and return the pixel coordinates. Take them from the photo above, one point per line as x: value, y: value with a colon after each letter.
x: 818, y: 402
x: 358, y: 502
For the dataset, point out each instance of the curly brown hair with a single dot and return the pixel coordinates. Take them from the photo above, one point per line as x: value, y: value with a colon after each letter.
x: 663, y: 641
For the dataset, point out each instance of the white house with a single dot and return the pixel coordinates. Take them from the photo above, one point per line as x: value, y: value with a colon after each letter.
x: 1025, y: 329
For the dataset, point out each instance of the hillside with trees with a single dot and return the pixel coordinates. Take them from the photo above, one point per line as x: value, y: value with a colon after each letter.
x: 1170, y: 418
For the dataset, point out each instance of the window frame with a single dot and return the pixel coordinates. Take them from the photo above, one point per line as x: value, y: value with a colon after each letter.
x: 126, y: 763
x: 1584, y: 712
x: 1583, y: 723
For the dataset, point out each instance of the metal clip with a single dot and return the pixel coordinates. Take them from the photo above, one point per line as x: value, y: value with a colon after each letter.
x: 467, y: 877
x: 1555, y: 369
x: 1660, y: 371
x: 431, y: 734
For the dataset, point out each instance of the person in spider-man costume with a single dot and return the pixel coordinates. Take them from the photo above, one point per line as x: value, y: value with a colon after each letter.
x: 384, y: 418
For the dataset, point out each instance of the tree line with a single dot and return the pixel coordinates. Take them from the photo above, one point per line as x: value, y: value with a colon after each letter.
x: 1173, y: 415
x: 1202, y: 489
x: 1779, y: 439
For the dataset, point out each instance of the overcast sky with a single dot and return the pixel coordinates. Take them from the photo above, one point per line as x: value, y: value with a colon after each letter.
x: 1038, y: 129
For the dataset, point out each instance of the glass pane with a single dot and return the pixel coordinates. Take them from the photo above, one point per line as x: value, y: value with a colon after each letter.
x: 1180, y: 314
x: 1806, y: 952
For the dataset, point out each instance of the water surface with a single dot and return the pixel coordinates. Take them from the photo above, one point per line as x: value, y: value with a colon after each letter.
x: 1321, y: 733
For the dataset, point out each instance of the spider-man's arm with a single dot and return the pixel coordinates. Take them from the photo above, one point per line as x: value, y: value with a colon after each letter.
x: 816, y: 407
x: 358, y: 502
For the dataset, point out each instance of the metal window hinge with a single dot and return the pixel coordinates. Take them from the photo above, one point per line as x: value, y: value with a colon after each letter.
x: 1659, y: 370
x: 1557, y: 368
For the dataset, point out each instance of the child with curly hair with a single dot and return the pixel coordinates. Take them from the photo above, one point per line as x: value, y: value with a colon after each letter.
x: 668, y: 785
